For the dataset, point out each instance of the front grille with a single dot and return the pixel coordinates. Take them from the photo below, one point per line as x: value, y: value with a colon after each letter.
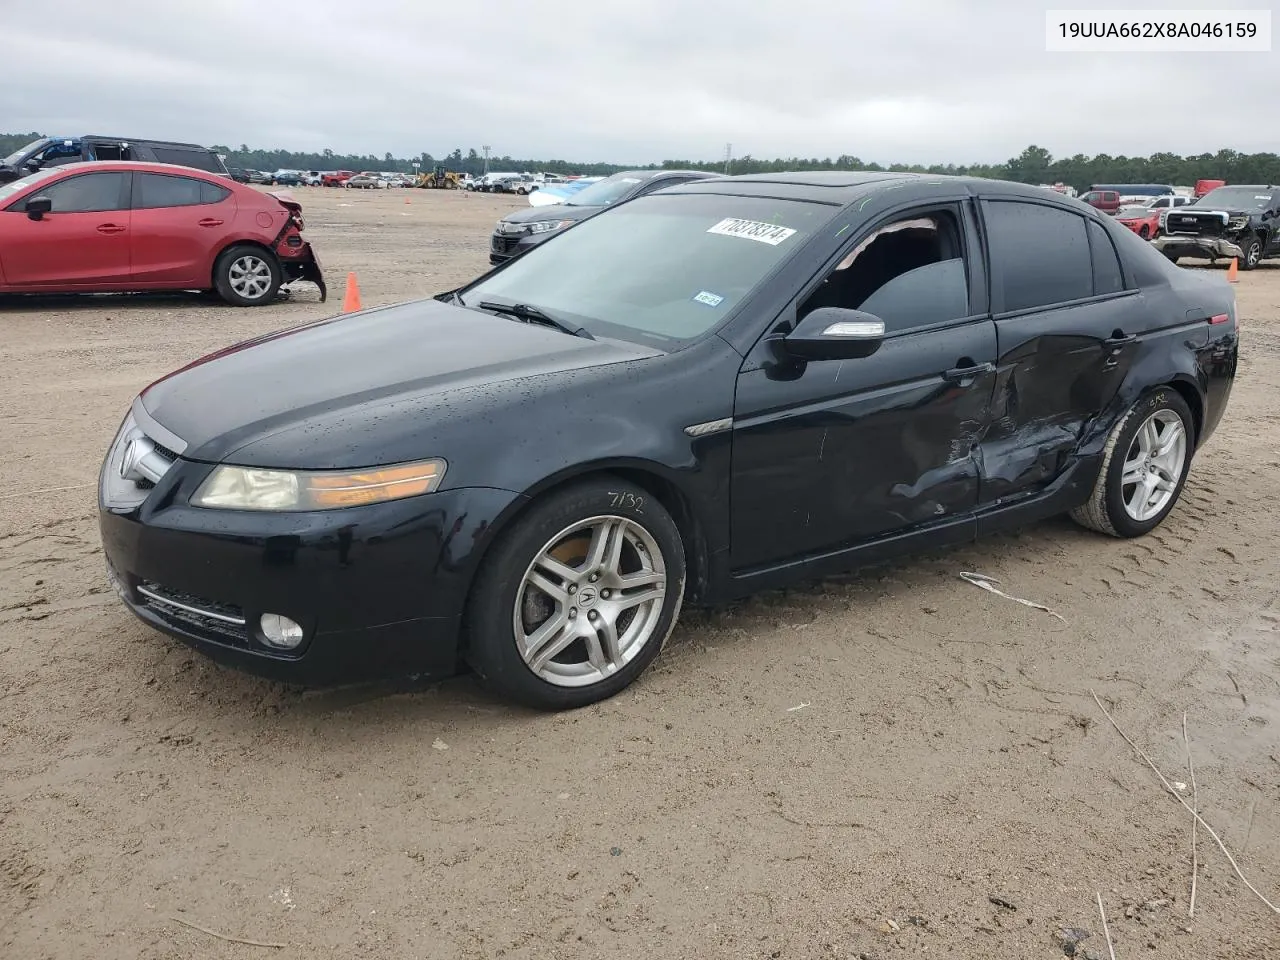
x: 502, y: 245
x: 181, y: 609
x: 1195, y: 224
x: 135, y: 464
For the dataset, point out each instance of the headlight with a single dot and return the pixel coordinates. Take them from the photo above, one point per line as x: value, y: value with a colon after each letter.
x: 546, y: 226
x: 1237, y: 223
x: 250, y: 488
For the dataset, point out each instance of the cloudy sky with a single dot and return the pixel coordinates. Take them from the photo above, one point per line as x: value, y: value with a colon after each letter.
x: 919, y: 81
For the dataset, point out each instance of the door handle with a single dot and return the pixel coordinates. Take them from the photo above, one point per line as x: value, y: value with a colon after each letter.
x: 110, y: 228
x: 965, y: 375
x: 209, y: 222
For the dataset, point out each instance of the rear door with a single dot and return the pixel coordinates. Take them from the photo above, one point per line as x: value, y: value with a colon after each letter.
x: 1067, y: 331
x: 83, y: 242
x: 177, y: 223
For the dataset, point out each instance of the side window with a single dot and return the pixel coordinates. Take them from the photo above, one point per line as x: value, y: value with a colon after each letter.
x: 162, y: 190
x: 87, y: 193
x: 1106, y: 265
x: 909, y: 273
x: 1039, y: 254
x: 212, y: 193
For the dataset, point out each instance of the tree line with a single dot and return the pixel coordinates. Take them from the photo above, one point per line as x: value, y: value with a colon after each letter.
x: 1034, y: 165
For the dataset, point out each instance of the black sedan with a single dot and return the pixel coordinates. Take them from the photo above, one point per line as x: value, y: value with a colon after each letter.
x: 525, y: 229
x: 532, y: 474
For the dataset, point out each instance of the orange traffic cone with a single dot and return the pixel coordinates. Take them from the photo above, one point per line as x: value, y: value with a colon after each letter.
x: 1233, y: 270
x: 406, y: 200
x: 351, y: 302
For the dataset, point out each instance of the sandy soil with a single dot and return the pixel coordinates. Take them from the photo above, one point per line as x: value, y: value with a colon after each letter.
x: 851, y: 768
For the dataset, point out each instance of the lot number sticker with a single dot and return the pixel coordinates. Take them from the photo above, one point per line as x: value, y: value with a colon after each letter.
x: 769, y: 233
x: 710, y: 299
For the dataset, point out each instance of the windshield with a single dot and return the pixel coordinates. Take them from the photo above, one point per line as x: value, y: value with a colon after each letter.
x: 17, y: 155
x: 690, y: 260
x: 1237, y: 198
x: 607, y: 191
x: 17, y: 186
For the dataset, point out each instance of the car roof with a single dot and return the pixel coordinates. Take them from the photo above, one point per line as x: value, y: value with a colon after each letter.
x: 143, y: 166
x: 839, y: 187
x: 161, y: 143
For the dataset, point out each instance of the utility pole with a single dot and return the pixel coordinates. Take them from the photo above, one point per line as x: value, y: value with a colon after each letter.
x: 486, y: 160
x: 728, y: 154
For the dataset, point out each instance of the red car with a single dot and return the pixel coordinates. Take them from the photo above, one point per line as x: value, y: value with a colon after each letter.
x: 123, y: 226
x: 336, y: 178
x: 1144, y: 221
x: 1108, y: 201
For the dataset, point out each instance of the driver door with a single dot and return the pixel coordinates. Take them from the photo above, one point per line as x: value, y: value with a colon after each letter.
x: 832, y: 454
x: 83, y: 241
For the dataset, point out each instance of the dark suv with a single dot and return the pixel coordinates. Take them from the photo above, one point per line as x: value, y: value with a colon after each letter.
x: 55, y: 151
x: 1236, y: 221
x: 525, y: 229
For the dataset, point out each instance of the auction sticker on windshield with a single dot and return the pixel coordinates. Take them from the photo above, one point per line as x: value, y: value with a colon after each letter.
x: 769, y: 233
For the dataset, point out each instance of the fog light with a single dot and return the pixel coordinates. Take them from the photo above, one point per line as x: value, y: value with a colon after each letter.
x: 280, y: 631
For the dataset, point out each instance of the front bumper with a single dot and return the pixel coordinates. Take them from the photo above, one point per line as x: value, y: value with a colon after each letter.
x: 301, y: 263
x: 1211, y: 247
x: 379, y: 590
x: 502, y: 247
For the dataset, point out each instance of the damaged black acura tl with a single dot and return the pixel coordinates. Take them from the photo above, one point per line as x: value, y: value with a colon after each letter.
x: 720, y: 387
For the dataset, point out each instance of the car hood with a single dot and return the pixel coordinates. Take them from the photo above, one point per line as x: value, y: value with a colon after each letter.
x: 363, y: 388
x: 559, y: 211
x: 1215, y: 211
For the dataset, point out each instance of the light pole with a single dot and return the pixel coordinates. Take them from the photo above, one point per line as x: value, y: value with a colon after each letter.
x: 486, y: 160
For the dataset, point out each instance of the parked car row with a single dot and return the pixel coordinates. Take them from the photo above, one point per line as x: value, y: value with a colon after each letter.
x: 322, y: 178
x: 1213, y: 222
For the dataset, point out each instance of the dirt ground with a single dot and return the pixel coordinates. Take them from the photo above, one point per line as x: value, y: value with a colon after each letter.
x: 894, y: 764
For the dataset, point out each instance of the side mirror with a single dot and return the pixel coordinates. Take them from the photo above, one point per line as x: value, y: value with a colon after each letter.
x: 37, y: 207
x: 834, y: 333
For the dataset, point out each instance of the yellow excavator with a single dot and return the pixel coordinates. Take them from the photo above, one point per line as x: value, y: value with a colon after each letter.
x: 439, y: 179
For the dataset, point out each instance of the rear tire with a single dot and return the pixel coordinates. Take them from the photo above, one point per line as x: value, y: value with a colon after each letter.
x: 578, y: 597
x: 1138, y: 485
x: 247, y: 276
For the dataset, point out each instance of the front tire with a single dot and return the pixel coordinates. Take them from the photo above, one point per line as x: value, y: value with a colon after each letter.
x: 1251, y: 247
x: 578, y: 597
x: 1144, y: 467
x: 246, y: 276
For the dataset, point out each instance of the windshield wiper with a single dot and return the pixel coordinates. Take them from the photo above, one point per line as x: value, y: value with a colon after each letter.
x: 530, y: 314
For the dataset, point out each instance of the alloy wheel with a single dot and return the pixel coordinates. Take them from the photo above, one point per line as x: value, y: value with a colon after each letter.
x: 1154, y: 465
x: 590, y: 601
x: 250, y: 277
